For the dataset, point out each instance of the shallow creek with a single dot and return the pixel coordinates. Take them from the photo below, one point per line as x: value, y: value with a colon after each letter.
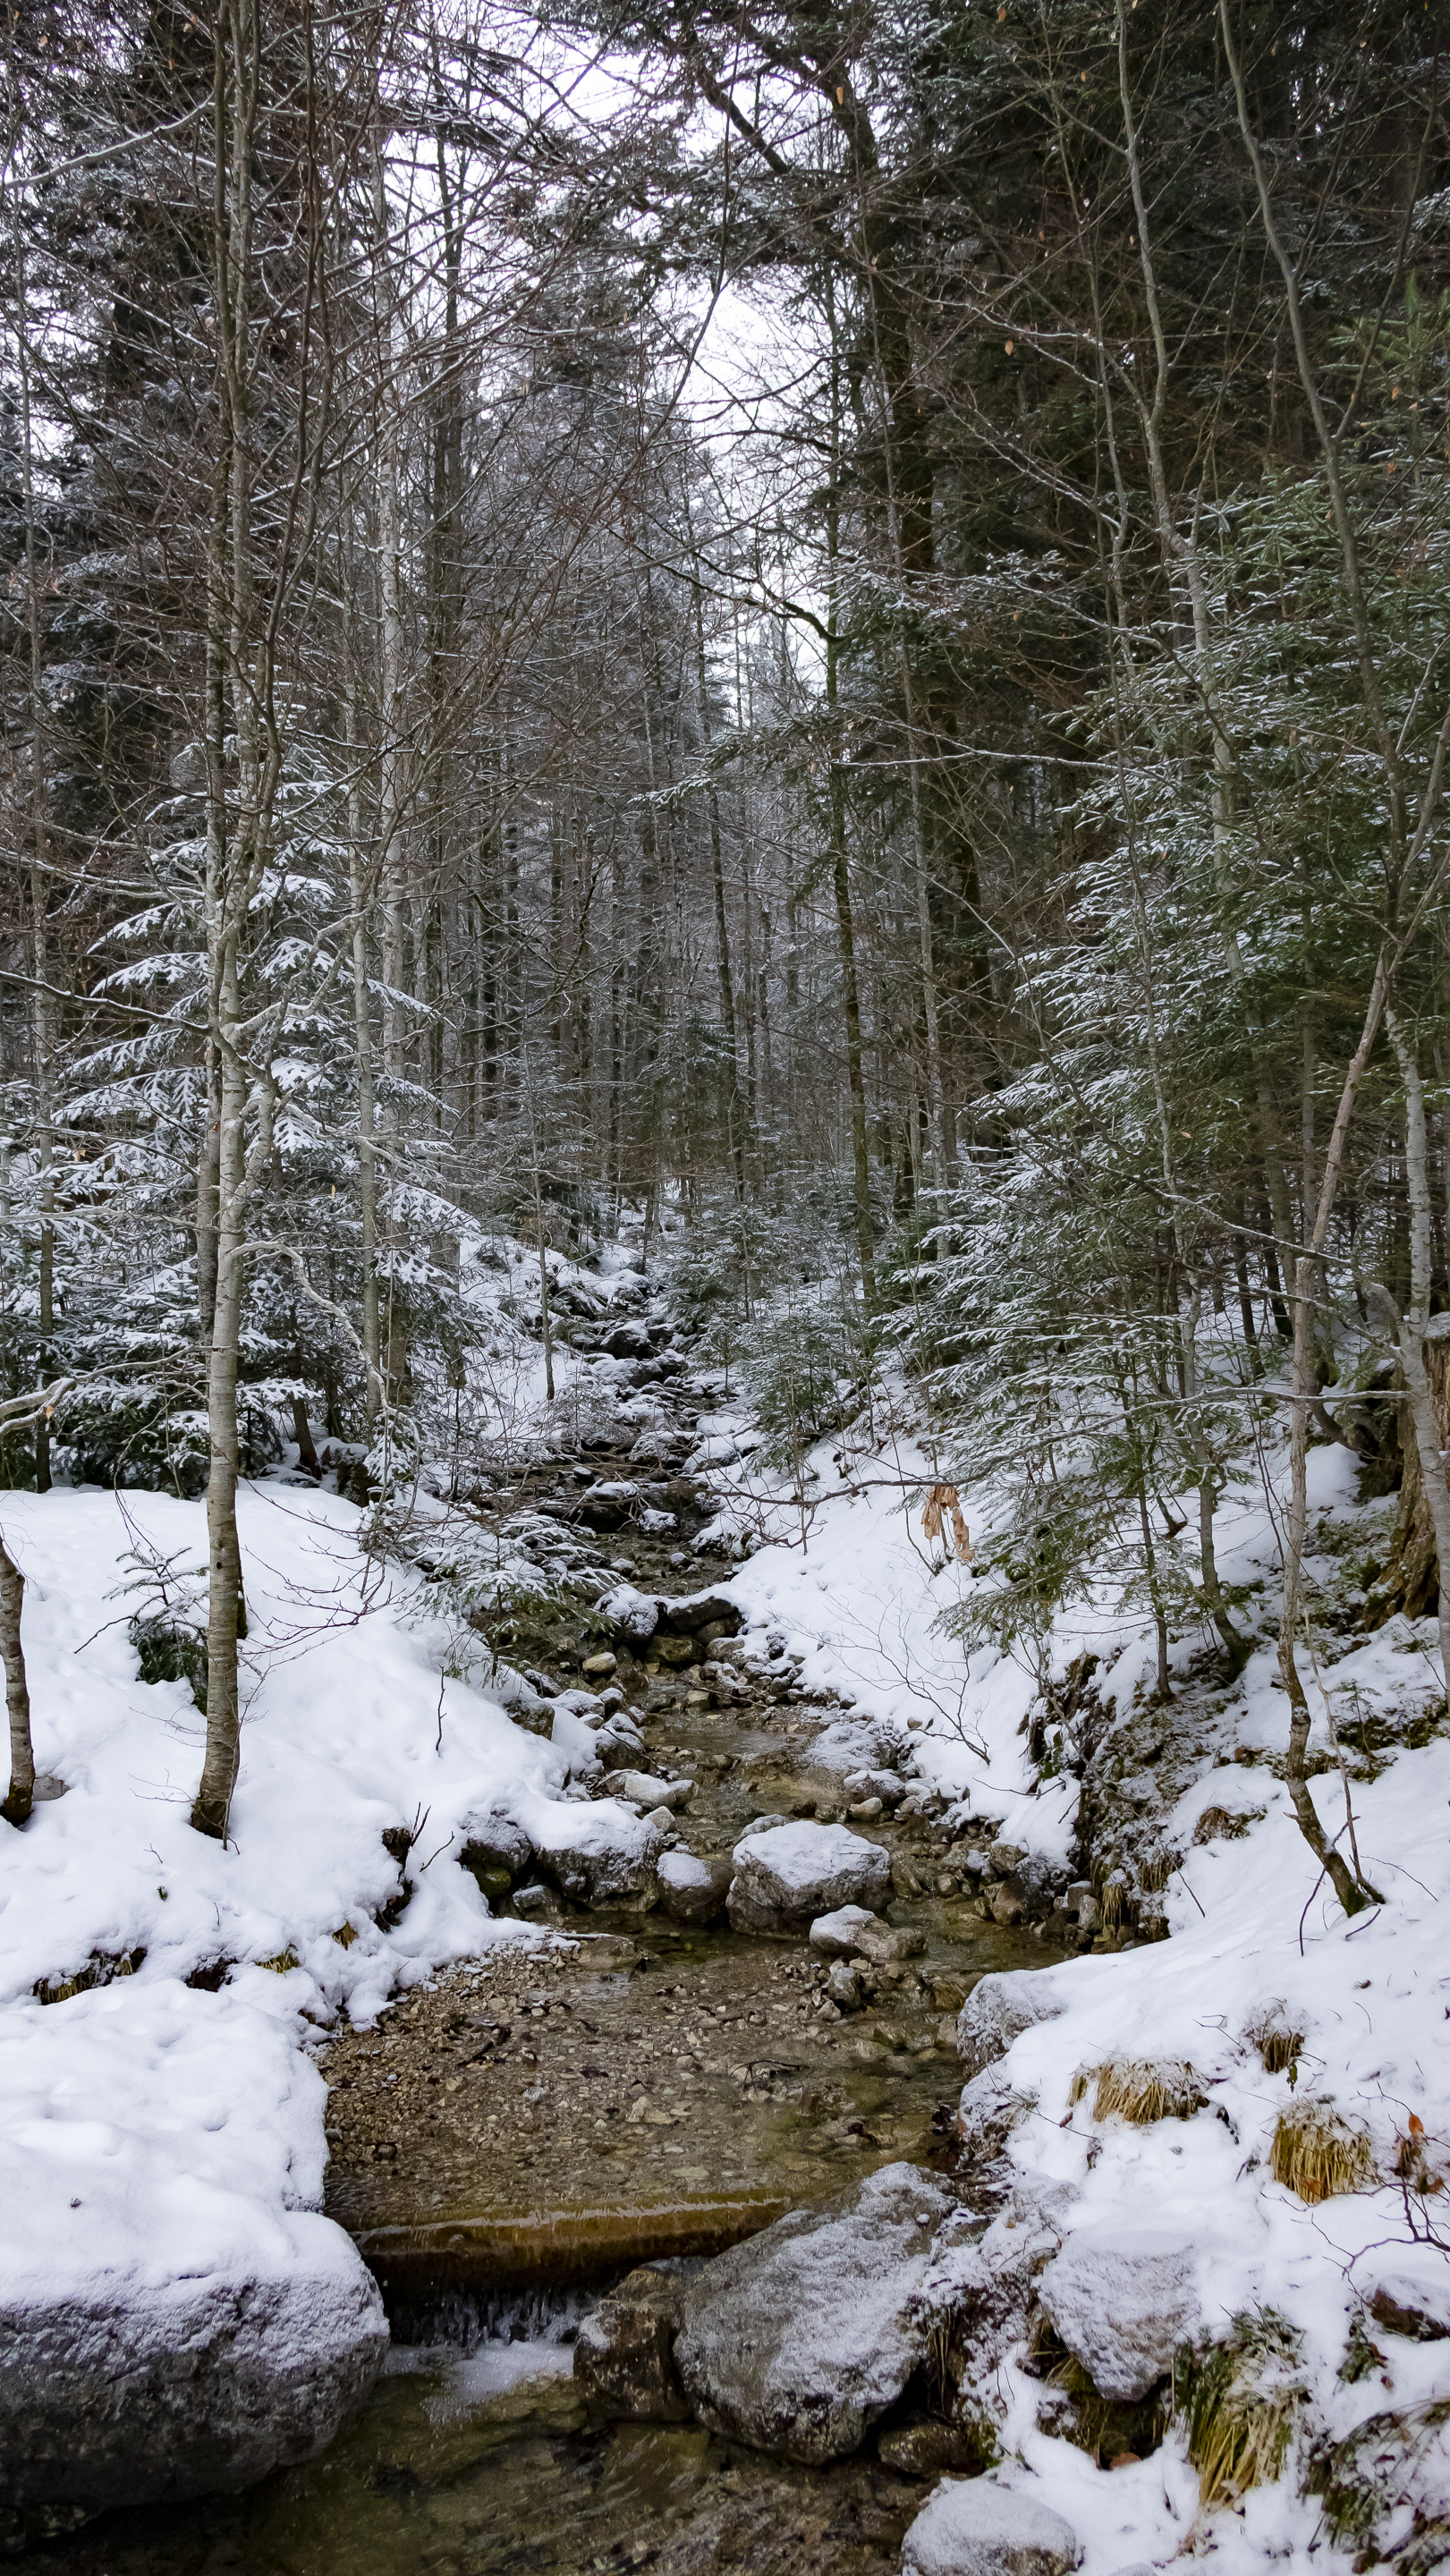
x: 541, y: 2119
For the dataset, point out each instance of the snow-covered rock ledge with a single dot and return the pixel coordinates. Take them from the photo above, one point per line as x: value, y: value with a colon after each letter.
x: 175, y: 2315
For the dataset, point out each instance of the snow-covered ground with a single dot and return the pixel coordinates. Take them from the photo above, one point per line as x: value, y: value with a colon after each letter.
x: 851, y: 1589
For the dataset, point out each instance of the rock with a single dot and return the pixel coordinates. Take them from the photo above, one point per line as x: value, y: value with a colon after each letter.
x: 924, y: 2450
x: 599, y: 1854
x: 998, y: 2010
x: 676, y: 1651
x: 138, y: 2394
x: 786, y: 1877
x: 1121, y: 2310
x: 885, y: 1943
x: 694, y: 1890
x: 843, y: 1985
x: 622, y: 2360
x: 885, y: 1785
x: 605, y: 1507
x: 865, y: 1811
x: 646, y: 1790
x: 634, y: 1615
x: 973, y: 2527
x: 1411, y: 2293
x: 495, y: 1842
x: 537, y: 1903
x: 799, y: 2339
x: 836, y: 1934
x: 599, y: 1667
x: 699, y: 1612
x: 628, y: 1341
x: 989, y: 2110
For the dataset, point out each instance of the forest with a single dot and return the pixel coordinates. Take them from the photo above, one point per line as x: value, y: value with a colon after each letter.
x: 781, y: 670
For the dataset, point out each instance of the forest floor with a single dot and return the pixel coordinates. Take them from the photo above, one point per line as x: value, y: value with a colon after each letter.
x: 168, y: 2007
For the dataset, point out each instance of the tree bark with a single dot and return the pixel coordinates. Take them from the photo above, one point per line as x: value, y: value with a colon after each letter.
x: 17, y: 1805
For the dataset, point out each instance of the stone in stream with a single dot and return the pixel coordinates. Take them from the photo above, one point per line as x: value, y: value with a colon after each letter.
x: 622, y: 2362
x: 786, y: 1877
x: 836, y: 1934
x: 998, y: 2010
x: 888, y: 1786
x: 130, y: 2392
x: 600, y: 1854
x: 694, y: 1890
x: 799, y: 2339
x: 852, y: 1932
x: 973, y: 2527
x: 645, y: 1790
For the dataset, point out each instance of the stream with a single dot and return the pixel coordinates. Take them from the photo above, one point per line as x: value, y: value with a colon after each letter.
x: 518, y: 2135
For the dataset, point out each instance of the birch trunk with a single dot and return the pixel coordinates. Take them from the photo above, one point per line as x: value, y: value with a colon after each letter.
x: 17, y: 1805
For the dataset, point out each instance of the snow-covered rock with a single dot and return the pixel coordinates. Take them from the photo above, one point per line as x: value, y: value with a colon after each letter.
x: 634, y: 1615
x: 1122, y: 2309
x: 888, y: 1786
x: 693, y: 1890
x: 836, y: 1934
x: 645, y: 1789
x: 786, y: 1877
x: 998, y: 2010
x: 989, y: 2110
x: 599, y: 1854
x: 173, y: 2318
x: 799, y: 2339
x: 973, y: 2527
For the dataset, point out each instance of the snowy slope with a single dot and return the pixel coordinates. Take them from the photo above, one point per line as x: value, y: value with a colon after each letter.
x: 851, y: 1590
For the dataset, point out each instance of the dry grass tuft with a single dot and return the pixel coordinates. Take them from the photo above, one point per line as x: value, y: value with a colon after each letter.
x: 1318, y: 2154
x: 1225, y: 1824
x: 1115, y: 1905
x: 1240, y: 2404
x: 1279, y: 2047
x: 1141, y: 2089
x: 1157, y: 1871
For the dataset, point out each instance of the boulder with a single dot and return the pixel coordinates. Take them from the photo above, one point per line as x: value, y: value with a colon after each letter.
x: 599, y: 1854
x: 989, y: 2111
x: 799, y: 2339
x: 973, y: 2527
x: 622, y: 2361
x: 925, y: 2449
x: 888, y: 1786
x: 628, y: 1341
x: 1121, y: 2310
x: 125, y: 2396
x: 646, y: 1790
x: 998, y: 2010
x: 694, y: 1890
x: 176, y: 2315
x: 837, y: 1934
x: 691, y: 1616
x: 634, y: 1615
x: 496, y: 1849
x: 676, y: 1651
x: 787, y: 1876
x: 852, y: 1932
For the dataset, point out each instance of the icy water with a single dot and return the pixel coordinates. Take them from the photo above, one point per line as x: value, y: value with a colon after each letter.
x: 509, y: 2142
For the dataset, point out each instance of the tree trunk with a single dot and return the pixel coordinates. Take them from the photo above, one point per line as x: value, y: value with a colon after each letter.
x: 16, y: 1808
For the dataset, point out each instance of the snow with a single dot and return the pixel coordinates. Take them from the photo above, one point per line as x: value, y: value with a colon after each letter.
x: 155, y: 2134
x: 854, y: 1595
